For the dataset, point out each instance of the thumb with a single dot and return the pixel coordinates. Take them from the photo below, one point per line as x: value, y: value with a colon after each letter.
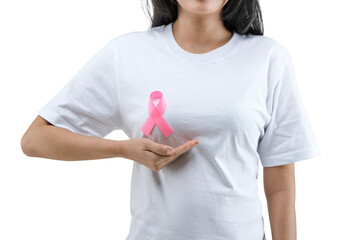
x: 161, y: 148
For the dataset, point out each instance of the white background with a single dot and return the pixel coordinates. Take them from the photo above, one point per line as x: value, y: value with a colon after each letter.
x: 44, y: 43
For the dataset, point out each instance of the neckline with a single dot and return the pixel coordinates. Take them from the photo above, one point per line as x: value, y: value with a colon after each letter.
x: 214, y: 55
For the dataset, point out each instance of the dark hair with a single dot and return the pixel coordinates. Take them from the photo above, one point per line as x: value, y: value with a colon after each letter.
x: 241, y: 16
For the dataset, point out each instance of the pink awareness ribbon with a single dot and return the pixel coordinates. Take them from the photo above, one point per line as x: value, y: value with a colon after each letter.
x: 155, y: 117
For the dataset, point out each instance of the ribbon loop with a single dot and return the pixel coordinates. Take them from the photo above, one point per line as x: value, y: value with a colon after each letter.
x: 156, y: 116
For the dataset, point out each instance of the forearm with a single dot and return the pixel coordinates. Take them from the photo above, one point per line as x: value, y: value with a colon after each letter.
x: 58, y: 143
x: 281, y: 207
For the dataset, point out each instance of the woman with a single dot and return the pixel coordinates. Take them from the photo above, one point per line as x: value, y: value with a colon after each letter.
x: 223, y: 87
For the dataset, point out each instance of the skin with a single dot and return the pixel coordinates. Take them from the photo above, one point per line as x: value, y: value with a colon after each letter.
x: 279, y: 186
x: 198, y: 29
x: 42, y: 139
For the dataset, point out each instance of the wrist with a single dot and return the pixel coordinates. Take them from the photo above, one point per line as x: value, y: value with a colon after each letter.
x: 117, y: 148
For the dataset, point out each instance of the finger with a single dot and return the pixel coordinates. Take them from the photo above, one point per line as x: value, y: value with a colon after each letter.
x: 160, y: 149
x: 179, y: 151
x: 186, y: 146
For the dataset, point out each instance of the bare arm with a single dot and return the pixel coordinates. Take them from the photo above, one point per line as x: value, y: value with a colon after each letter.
x: 42, y: 139
x: 279, y: 186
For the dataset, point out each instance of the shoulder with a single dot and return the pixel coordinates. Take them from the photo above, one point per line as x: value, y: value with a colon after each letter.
x: 274, y: 52
x: 275, y: 49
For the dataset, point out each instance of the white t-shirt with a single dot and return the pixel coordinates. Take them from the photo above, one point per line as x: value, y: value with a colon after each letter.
x: 241, y: 101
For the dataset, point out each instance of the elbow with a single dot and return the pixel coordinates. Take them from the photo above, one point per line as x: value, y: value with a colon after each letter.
x: 26, y: 146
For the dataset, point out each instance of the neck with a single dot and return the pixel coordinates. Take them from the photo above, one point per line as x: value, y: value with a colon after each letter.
x: 199, y: 34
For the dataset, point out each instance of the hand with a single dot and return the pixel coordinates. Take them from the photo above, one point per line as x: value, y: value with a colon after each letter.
x: 154, y: 155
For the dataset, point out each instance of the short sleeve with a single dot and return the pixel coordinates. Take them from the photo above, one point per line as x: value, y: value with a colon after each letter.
x: 88, y: 104
x: 288, y: 136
